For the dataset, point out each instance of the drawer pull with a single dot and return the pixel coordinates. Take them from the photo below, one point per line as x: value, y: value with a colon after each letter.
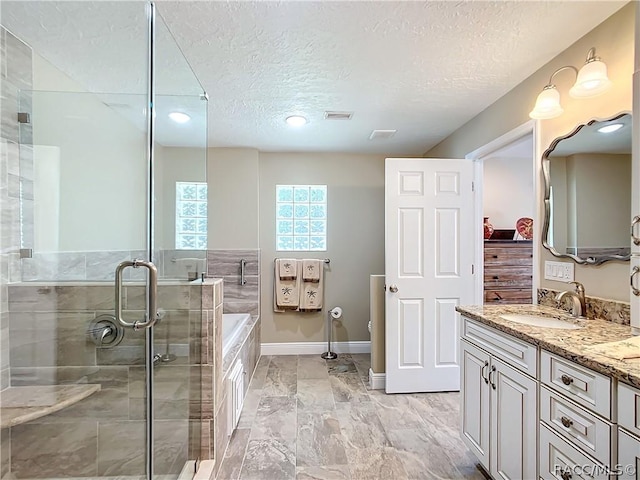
x: 634, y: 289
x: 566, y: 422
x: 566, y: 379
x: 486, y: 364
x: 495, y: 277
x: 495, y: 256
x: 498, y: 297
x: 565, y: 475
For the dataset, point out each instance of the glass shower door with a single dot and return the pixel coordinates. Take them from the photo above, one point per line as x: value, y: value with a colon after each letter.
x: 76, y: 147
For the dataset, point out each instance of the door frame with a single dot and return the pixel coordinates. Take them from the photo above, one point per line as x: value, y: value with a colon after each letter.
x: 531, y: 127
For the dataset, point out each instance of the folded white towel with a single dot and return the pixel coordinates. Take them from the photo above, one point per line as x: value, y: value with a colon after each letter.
x: 621, y: 350
x: 311, y: 269
x: 311, y: 294
x: 287, y: 268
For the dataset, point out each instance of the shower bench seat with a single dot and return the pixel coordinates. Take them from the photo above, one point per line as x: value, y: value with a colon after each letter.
x: 23, y: 404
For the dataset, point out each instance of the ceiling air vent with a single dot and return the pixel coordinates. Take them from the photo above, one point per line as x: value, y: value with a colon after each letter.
x: 338, y: 115
x: 382, y: 134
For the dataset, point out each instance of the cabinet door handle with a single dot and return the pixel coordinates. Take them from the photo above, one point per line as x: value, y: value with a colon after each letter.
x: 634, y: 222
x: 634, y: 289
x: 566, y: 379
x: 495, y: 277
x: 486, y: 364
x: 495, y: 256
x: 566, y: 421
x: 493, y: 369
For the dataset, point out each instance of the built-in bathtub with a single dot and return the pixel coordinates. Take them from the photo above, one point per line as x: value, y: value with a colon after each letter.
x: 232, y: 328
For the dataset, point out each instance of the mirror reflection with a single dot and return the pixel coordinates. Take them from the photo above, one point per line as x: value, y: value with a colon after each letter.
x: 588, y: 192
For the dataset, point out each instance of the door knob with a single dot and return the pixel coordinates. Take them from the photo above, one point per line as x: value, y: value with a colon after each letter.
x: 393, y: 288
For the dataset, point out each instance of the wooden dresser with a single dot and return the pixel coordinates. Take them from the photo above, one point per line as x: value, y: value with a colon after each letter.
x: 508, y: 271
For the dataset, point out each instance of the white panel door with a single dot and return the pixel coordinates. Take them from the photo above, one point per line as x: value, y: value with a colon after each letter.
x: 429, y: 250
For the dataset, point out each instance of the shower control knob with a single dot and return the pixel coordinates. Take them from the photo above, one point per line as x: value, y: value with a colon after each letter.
x: 393, y: 288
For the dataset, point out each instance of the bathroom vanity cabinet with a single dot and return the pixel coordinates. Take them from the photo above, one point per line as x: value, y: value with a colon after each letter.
x: 528, y: 412
x: 498, y: 395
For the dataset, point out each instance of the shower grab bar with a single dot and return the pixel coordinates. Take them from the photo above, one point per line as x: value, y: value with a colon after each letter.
x: 152, y: 314
x: 243, y: 266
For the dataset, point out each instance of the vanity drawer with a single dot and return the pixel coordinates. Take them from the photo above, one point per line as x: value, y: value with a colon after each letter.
x: 557, y: 456
x: 586, y: 387
x: 511, y: 350
x: 511, y: 295
x: 577, y: 425
x: 508, y: 256
x: 511, y: 276
x: 629, y: 408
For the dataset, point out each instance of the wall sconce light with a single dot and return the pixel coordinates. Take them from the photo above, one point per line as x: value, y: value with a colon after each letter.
x: 591, y: 81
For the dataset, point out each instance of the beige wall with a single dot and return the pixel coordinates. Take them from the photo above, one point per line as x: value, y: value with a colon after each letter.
x: 507, y: 190
x: 614, y: 40
x: 174, y: 165
x: 603, y: 190
x: 355, y: 240
x: 101, y: 167
x: 233, y: 198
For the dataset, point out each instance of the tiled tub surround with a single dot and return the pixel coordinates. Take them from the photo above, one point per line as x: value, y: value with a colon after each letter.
x: 94, y: 437
x: 611, y: 310
x: 570, y: 344
x: 225, y: 264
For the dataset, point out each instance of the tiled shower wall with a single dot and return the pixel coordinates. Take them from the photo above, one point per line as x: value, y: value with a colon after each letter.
x: 16, y: 189
x: 104, y: 434
x: 100, y: 265
x: 225, y: 264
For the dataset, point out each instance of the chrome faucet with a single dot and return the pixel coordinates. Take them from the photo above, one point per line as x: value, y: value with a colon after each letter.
x: 578, y: 302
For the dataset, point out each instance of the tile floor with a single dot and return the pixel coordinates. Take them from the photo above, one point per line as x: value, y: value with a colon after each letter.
x: 307, y: 418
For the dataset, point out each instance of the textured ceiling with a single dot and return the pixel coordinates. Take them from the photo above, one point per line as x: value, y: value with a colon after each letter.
x: 422, y: 68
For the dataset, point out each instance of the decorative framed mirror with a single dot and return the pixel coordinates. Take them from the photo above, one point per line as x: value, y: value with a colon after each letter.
x: 587, y: 192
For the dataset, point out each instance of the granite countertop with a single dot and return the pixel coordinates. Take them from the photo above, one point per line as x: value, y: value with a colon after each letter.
x: 570, y: 344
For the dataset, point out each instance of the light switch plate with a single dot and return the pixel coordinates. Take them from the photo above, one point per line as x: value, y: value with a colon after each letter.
x: 558, y: 271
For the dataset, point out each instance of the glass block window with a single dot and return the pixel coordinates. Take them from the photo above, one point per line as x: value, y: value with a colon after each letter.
x: 301, y: 217
x: 191, y: 216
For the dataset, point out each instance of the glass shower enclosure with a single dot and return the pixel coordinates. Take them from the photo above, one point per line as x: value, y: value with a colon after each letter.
x: 103, y: 167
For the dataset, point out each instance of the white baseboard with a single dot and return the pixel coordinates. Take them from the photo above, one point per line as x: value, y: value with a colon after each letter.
x: 377, y: 381
x: 314, y: 348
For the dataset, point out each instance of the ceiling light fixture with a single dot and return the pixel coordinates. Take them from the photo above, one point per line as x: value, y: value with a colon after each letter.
x: 591, y: 80
x: 179, y: 117
x: 296, y: 121
x: 612, y: 127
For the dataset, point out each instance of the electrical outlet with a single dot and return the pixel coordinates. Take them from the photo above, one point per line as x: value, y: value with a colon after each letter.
x: 559, y: 271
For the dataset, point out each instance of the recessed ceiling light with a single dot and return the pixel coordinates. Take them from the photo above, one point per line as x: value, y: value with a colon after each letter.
x: 610, y: 128
x: 179, y: 117
x: 296, y: 121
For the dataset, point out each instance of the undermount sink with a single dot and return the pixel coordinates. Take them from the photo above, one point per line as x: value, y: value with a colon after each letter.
x: 538, y: 321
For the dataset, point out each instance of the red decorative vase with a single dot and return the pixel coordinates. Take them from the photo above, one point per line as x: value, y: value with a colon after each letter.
x: 488, y: 228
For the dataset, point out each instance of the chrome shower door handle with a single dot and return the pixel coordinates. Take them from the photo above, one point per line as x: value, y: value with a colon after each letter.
x: 152, y: 288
